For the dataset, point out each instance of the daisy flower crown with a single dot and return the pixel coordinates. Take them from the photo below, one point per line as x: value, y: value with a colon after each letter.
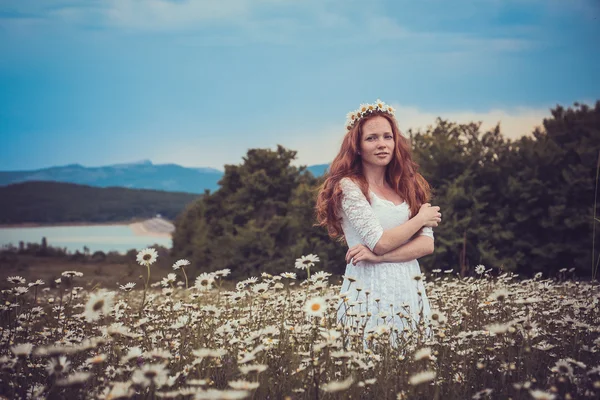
x: 367, y: 109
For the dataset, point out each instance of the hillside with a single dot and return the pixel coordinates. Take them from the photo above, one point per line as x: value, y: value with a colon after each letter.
x: 138, y: 175
x: 57, y: 202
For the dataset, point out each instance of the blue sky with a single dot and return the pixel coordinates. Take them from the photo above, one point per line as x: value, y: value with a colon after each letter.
x: 197, y: 83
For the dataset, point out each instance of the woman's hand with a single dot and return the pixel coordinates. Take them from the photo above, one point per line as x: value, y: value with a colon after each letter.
x: 430, y: 215
x: 360, y: 252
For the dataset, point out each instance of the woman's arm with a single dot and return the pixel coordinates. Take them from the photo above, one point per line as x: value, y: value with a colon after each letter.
x: 394, y: 238
x: 416, y: 248
x: 362, y: 218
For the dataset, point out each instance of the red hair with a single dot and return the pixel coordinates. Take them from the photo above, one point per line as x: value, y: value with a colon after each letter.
x: 401, y: 174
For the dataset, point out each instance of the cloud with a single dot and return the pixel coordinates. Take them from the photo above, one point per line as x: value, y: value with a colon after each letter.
x: 514, y: 123
x: 323, y: 146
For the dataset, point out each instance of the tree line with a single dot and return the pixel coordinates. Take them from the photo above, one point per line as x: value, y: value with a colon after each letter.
x: 525, y: 205
x: 57, y: 202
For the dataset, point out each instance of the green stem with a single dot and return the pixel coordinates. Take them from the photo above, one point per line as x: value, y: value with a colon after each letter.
x: 186, y: 278
x: 145, y: 288
x: 595, y: 268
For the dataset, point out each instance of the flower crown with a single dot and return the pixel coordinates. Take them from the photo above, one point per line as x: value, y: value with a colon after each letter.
x: 367, y: 109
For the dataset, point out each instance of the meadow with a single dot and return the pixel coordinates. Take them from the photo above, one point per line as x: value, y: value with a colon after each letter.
x: 495, y: 335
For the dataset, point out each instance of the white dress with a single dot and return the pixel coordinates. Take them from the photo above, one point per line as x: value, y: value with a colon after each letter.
x: 390, y: 282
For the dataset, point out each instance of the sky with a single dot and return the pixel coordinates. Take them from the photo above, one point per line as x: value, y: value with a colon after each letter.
x: 198, y: 83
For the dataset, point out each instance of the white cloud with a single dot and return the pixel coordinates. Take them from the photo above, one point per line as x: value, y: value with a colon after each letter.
x: 323, y: 146
x: 514, y: 123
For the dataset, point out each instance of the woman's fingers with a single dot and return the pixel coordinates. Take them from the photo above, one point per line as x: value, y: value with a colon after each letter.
x: 358, y: 256
x: 351, y: 253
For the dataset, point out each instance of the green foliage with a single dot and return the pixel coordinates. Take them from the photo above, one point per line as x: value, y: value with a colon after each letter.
x: 56, y: 202
x: 523, y: 205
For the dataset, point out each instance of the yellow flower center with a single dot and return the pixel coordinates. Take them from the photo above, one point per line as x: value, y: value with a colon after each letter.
x: 315, y: 307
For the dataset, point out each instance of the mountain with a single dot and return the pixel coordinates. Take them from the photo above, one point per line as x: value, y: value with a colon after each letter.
x: 318, y: 170
x: 136, y: 175
x: 59, y: 202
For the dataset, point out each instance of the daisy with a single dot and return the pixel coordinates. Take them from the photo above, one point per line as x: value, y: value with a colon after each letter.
x: 289, y: 275
x: 424, y: 353
x: 150, y: 373
x: 260, y: 288
x: 563, y: 367
x: 338, y: 386
x: 16, y: 280
x: 480, y: 269
x: 500, y: 294
x: 246, y: 369
x: 223, y: 272
x: 498, y: 329
x: 541, y: 395
x: 214, y: 394
x: 180, y: 263
x: 422, y: 377
x: 22, y: 350
x: 71, y: 274
x: 306, y: 261
x: 76, y: 378
x: 134, y: 352
x: 168, y: 280
x: 320, y: 276
x: 204, y: 282
x: 119, y: 390
x: 147, y: 256
x: 127, y: 287
x: 243, y: 385
x: 98, y: 304
x: 97, y: 359
x: 315, y: 307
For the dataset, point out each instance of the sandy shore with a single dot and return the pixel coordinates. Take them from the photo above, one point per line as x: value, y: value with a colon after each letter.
x: 38, y: 225
x: 155, y: 227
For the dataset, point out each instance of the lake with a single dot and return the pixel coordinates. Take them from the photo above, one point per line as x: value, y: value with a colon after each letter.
x: 96, y: 237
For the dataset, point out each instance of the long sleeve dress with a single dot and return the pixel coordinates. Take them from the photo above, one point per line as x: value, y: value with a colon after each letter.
x: 392, y: 283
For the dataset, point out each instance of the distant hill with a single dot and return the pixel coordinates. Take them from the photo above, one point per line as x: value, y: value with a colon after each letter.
x: 318, y: 169
x: 137, y: 175
x: 57, y: 202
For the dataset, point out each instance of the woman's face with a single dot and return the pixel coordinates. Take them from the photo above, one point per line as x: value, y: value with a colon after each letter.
x: 377, y: 141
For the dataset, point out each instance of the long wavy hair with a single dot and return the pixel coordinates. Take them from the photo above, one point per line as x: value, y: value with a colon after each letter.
x: 401, y: 174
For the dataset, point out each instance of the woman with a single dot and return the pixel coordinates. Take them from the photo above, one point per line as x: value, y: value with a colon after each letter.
x: 371, y: 191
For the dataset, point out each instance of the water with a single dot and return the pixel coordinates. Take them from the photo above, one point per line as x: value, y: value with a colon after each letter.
x: 96, y: 237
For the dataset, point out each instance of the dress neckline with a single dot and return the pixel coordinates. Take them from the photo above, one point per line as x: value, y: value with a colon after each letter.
x: 386, y: 200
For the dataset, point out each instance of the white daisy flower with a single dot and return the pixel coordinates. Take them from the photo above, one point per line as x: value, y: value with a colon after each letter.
x: 99, y: 303
x: 147, y: 256
x: 306, y: 261
x: 204, y: 281
x: 315, y: 307
x: 260, y: 288
x: 127, y: 287
x: 16, y: 280
x: 424, y: 353
x: 58, y: 365
x: 422, y: 377
x: 243, y: 385
x: 338, y: 386
x: 180, y: 263
x: 22, y: 350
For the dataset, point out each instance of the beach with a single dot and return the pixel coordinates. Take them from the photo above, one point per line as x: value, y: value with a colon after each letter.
x: 155, y: 227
